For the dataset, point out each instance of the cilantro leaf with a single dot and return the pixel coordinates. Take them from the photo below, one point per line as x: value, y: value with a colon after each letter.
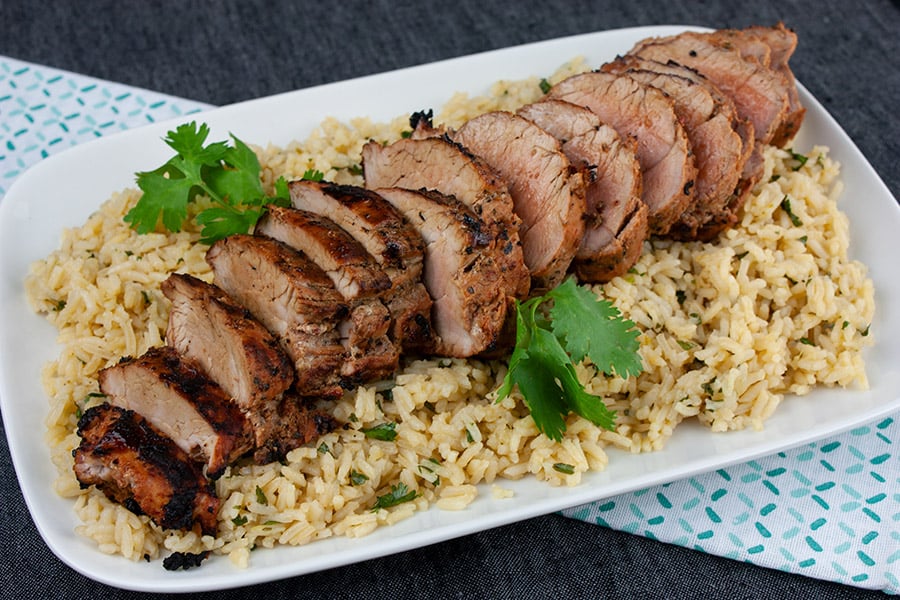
x: 398, y: 495
x: 542, y: 364
x: 594, y: 329
x: 228, y: 174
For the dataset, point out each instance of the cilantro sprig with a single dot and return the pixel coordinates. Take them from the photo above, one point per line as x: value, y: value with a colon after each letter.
x: 580, y: 326
x: 228, y: 174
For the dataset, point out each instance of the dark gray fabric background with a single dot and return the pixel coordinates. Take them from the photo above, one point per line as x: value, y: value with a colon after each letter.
x: 222, y: 52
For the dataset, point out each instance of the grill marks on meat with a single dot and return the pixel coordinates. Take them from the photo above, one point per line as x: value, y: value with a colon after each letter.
x: 435, y: 162
x: 357, y: 276
x: 547, y: 192
x: 179, y: 400
x: 231, y: 347
x: 134, y: 464
x: 615, y: 216
x: 646, y: 114
x: 462, y: 266
x: 394, y: 244
x: 293, y: 298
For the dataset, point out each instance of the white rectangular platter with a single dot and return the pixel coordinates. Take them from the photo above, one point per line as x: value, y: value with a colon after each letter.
x: 63, y: 190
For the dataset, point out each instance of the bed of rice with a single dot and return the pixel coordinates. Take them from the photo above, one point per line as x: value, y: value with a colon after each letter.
x: 728, y: 329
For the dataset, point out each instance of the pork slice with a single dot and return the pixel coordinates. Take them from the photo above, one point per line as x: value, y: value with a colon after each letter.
x: 435, y: 162
x: 293, y: 298
x: 232, y: 348
x: 760, y: 94
x: 615, y: 216
x: 461, y: 270
x: 179, y: 400
x: 782, y: 42
x: 354, y: 272
x: 136, y: 465
x: 357, y: 276
x: 709, y: 125
x: 663, y: 149
x: 547, y: 192
x: 391, y: 240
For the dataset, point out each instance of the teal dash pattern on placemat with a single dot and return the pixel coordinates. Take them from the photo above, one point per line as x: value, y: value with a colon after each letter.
x: 43, y: 111
x: 830, y: 509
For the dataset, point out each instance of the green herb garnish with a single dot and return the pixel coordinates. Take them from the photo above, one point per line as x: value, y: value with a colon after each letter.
x: 786, y: 207
x: 261, y: 496
x: 398, y: 495
x: 543, y: 362
x: 228, y: 174
x: 545, y: 85
x: 564, y: 468
x: 386, y: 432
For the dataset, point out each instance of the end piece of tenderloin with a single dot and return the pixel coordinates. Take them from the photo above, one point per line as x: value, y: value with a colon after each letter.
x: 760, y: 94
x: 233, y: 349
x: 547, y: 192
x: 296, y: 423
x: 663, y: 150
x: 615, y: 216
x: 293, y: 298
x: 435, y: 162
x: 178, y: 399
x: 709, y: 124
x: 357, y: 276
x: 137, y: 466
x: 391, y: 240
x: 462, y: 267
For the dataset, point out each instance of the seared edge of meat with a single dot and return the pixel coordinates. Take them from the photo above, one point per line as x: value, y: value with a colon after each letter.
x: 134, y: 464
x: 645, y: 113
x: 391, y: 240
x: 547, y: 192
x: 230, y: 346
x: 615, y: 217
x: 462, y: 267
x: 293, y: 298
x: 174, y: 394
x: 433, y: 161
x: 355, y: 273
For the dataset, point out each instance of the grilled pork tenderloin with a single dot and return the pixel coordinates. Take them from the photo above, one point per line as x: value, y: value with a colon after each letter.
x: 134, y: 464
x: 547, y: 192
x: 293, y: 298
x: 462, y: 267
x: 663, y: 150
x: 357, y: 276
x: 615, y: 216
x: 178, y: 399
x: 394, y: 244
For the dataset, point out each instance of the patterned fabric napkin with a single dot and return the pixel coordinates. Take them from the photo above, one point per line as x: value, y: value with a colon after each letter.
x: 830, y: 509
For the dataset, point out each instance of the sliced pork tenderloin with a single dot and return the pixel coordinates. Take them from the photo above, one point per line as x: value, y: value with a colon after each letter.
x: 709, y: 125
x: 462, y: 267
x: 437, y: 163
x: 615, y: 216
x: 136, y: 465
x: 394, y: 244
x: 663, y: 149
x: 232, y: 348
x: 293, y: 298
x: 178, y: 399
x: 547, y: 191
x: 781, y: 42
x: 760, y: 94
x: 357, y: 276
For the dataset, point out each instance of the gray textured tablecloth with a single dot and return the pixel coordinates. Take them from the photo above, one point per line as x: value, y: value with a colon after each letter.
x: 222, y: 52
